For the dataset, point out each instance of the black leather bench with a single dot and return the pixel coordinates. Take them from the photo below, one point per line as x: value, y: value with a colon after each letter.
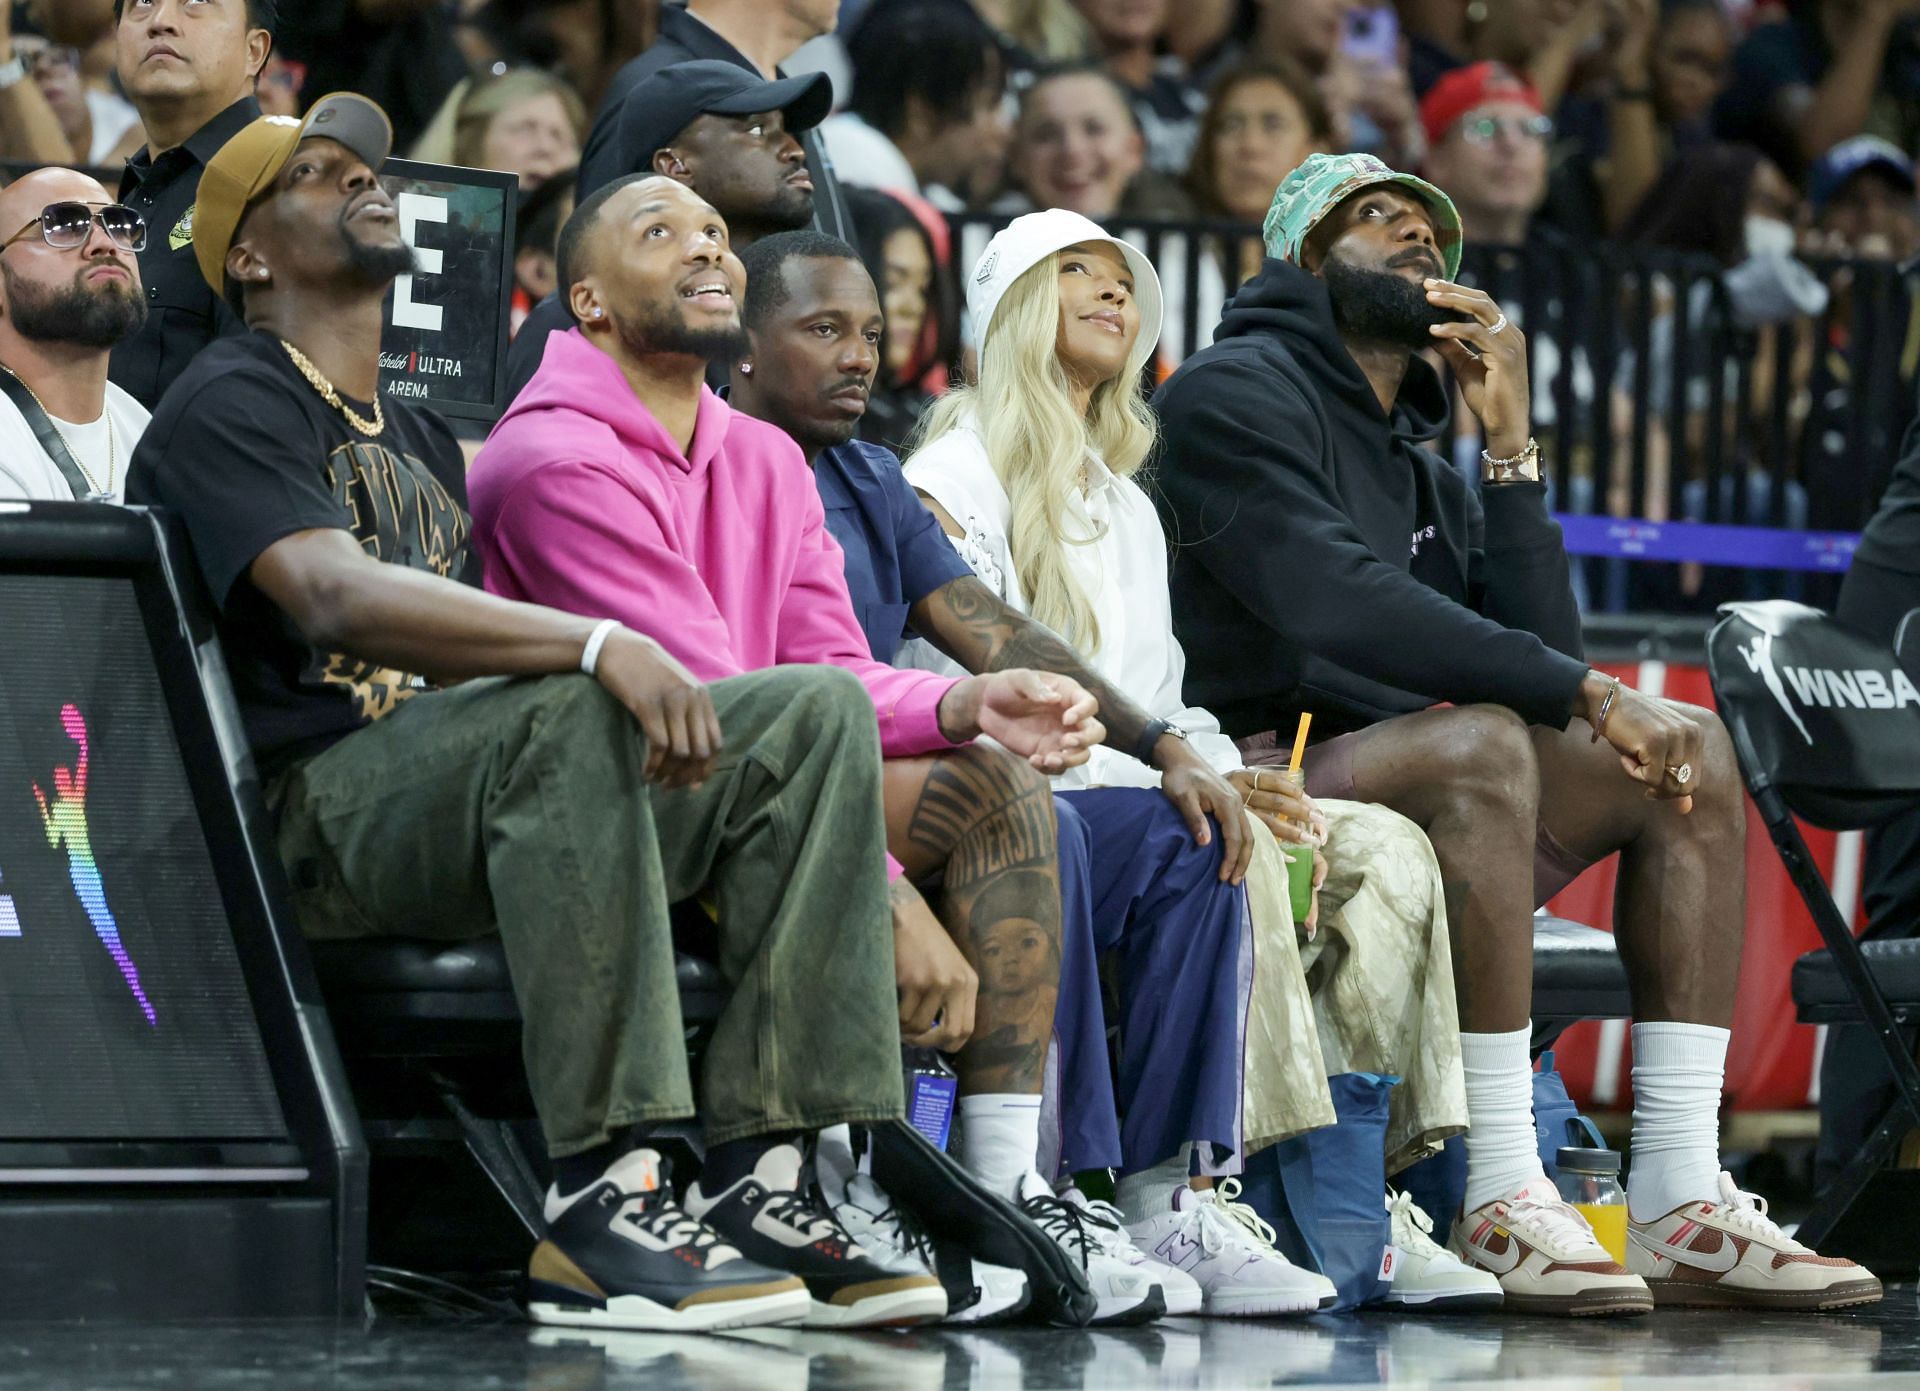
x: 418, y: 1020
x: 1822, y: 997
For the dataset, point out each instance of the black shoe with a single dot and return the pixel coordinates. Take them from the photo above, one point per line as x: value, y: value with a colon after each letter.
x: 953, y: 1206
x: 776, y: 1223
x: 621, y: 1253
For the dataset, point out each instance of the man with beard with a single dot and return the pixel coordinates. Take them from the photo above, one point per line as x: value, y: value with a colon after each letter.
x: 565, y: 809
x: 728, y: 135
x: 1328, y: 562
x: 619, y: 484
x: 69, y: 290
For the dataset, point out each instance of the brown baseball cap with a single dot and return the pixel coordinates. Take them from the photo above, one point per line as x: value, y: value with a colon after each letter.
x: 248, y: 164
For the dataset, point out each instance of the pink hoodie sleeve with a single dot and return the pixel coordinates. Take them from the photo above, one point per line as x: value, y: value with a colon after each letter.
x: 817, y: 625
x: 577, y: 537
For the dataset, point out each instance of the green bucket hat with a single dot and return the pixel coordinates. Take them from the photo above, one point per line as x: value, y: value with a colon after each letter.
x: 1313, y: 190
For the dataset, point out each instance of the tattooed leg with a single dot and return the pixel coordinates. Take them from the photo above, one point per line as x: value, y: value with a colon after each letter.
x: 981, y: 822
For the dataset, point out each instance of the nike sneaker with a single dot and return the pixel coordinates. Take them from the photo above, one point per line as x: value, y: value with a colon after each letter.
x: 1125, y: 1287
x: 1224, y: 1248
x: 621, y: 1254
x: 1546, y: 1257
x: 1730, y: 1254
x: 774, y: 1223
x: 1425, y: 1275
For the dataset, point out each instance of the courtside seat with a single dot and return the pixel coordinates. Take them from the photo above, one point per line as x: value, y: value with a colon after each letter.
x: 410, y: 997
x: 1823, y: 998
x: 1577, y: 974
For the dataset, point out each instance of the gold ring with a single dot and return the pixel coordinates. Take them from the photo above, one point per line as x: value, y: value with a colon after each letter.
x: 1683, y: 774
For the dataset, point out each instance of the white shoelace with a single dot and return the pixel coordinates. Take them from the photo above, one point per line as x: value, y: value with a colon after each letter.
x: 658, y: 1216
x: 1557, y: 1219
x: 1226, y: 1223
x: 1412, y: 1228
x: 1747, y: 1211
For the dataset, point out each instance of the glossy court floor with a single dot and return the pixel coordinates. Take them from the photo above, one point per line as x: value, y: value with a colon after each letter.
x: 409, y: 1352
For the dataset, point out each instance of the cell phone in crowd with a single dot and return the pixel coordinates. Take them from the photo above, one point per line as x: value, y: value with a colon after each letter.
x: 1372, y: 36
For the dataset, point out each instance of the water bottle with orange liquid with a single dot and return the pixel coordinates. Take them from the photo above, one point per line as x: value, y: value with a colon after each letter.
x: 1590, y: 1181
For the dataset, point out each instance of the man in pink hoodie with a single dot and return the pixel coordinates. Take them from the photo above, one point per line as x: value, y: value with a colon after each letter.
x: 619, y: 486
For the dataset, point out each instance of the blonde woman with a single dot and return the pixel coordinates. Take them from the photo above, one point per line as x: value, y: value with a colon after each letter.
x: 1030, y: 472
x: 524, y: 122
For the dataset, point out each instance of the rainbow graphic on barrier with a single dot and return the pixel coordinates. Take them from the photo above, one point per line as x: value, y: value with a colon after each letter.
x: 66, y: 820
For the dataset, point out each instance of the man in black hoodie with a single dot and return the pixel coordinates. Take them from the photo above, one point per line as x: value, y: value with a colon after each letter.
x: 1328, y: 562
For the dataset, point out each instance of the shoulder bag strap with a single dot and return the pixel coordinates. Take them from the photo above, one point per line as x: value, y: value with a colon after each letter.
x: 42, y: 426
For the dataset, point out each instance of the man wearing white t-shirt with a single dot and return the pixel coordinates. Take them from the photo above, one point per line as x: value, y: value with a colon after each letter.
x: 69, y: 290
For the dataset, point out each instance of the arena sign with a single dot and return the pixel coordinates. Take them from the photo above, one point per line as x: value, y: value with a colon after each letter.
x: 446, y: 325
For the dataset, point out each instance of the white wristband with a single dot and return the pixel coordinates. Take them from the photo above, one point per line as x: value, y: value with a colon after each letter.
x: 590, y: 658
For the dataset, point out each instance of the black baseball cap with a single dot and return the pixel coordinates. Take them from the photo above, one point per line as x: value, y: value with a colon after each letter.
x: 655, y: 112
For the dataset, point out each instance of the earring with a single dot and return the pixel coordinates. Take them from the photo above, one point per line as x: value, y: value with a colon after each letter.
x: 599, y: 313
x: 746, y: 369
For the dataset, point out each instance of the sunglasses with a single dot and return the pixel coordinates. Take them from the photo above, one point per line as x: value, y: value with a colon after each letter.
x: 1484, y: 130
x: 66, y: 226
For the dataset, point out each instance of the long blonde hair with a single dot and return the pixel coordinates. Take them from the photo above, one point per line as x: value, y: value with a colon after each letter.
x: 1022, y: 409
x: 458, y: 132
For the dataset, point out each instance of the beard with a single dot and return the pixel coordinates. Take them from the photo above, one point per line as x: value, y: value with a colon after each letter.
x: 1382, y: 307
x: 89, y: 316
x: 660, y: 328
x: 373, y: 264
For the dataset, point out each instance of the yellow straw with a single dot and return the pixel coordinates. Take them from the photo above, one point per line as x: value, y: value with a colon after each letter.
x: 1300, y: 743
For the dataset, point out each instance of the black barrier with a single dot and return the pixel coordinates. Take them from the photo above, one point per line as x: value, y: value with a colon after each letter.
x: 1656, y: 400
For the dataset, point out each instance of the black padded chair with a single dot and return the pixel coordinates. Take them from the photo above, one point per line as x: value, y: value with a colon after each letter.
x: 430, y: 1033
x: 1826, y: 725
x: 1577, y: 974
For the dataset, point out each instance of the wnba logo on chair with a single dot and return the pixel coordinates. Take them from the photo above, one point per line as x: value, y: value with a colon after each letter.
x: 1828, y: 688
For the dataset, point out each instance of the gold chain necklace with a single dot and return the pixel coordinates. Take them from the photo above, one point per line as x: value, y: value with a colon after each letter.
x: 113, y: 448
x: 372, y: 429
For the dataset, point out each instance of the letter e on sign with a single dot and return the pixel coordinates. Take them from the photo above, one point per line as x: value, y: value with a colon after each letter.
x: 416, y: 208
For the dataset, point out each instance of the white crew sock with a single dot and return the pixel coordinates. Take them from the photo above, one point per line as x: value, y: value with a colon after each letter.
x: 1145, y: 1195
x: 1679, y: 1071
x: 1503, y: 1148
x: 997, y: 1139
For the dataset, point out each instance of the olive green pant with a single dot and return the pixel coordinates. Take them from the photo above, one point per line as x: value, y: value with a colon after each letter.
x: 518, y: 806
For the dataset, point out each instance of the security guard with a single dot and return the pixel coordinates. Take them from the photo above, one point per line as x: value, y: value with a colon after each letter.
x: 189, y: 66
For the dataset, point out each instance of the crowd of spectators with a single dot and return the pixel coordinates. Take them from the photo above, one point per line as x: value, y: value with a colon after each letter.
x: 1573, y: 122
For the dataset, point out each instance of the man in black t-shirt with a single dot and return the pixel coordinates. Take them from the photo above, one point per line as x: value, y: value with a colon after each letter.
x: 564, y: 811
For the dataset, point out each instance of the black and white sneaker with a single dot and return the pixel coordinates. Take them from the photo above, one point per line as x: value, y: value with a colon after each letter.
x: 621, y: 1253
x: 1124, y: 1284
x: 978, y: 1292
x: 777, y: 1224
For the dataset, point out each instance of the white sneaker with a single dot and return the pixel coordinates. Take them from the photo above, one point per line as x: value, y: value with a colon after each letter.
x: 1228, y: 1251
x: 977, y: 1292
x: 1427, y: 1276
x: 1127, y: 1290
x: 1180, y: 1290
x: 1546, y: 1256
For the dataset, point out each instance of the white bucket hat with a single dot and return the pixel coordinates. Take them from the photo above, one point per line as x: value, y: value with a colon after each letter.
x: 1027, y: 241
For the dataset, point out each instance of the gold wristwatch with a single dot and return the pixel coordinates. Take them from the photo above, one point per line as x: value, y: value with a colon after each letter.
x: 1523, y: 467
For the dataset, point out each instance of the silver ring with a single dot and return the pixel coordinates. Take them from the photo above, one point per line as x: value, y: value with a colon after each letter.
x: 1498, y: 325
x: 1683, y: 774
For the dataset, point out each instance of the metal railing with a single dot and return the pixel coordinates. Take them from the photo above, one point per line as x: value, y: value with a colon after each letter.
x: 1657, y: 400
